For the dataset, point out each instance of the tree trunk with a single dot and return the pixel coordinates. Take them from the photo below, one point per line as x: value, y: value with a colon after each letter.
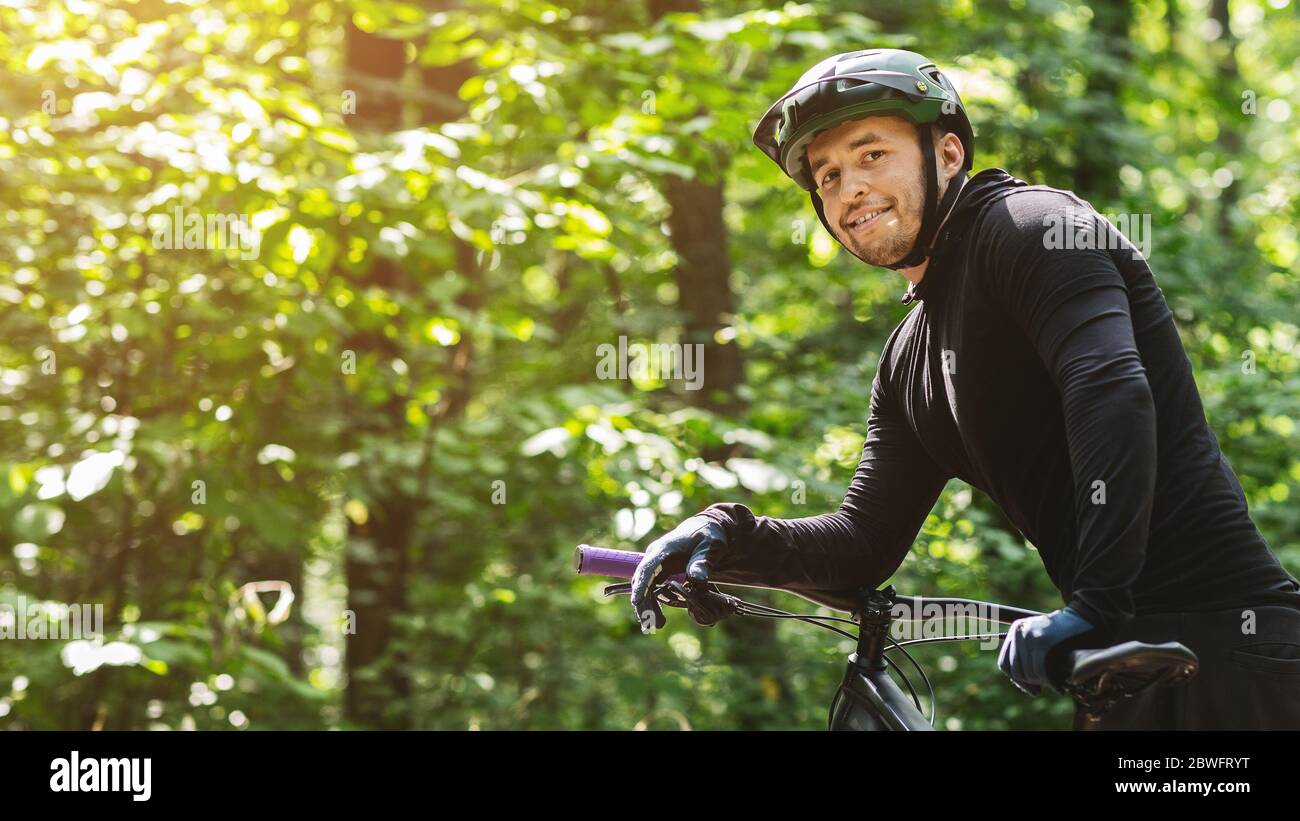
x: 703, y: 276
x: 1097, y: 148
x: 379, y: 551
x: 1230, y: 140
x: 376, y: 549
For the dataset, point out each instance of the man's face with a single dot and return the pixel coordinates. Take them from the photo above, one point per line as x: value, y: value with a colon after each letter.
x: 870, y: 178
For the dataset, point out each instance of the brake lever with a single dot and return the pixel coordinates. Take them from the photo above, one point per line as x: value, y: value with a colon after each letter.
x: 626, y: 587
x: 706, y: 603
x: 669, y: 593
x: 675, y: 593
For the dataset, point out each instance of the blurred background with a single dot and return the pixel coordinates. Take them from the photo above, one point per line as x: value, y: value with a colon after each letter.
x: 333, y: 478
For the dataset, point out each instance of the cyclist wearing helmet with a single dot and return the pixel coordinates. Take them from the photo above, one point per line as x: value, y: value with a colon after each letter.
x: 1048, y: 374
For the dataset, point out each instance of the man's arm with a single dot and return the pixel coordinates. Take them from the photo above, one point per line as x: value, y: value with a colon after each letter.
x: 829, y: 558
x: 1073, y: 307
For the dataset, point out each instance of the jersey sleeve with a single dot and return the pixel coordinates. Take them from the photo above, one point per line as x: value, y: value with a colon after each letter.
x: 832, y: 557
x: 1071, y: 301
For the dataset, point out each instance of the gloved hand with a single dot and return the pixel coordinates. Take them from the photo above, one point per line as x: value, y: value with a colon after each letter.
x: 1025, y: 653
x: 695, y: 541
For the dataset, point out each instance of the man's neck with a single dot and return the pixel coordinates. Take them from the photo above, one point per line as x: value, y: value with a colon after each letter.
x: 916, y: 272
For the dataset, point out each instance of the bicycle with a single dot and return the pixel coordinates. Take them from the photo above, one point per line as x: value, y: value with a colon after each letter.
x: 868, y: 697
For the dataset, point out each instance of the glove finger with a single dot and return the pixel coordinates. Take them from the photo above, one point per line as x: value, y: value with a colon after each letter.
x: 699, y: 566
x: 1015, y: 661
x: 1017, y: 671
x: 1034, y: 668
x: 703, y: 554
x: 1020, y: 655
x: 1007, y: 655
x: 651, y: 617
x: 642, y: 601
x: 702, y: 615
x: 644, y: 575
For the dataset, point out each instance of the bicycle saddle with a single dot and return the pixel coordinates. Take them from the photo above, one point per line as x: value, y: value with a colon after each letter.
x: 1133, y: 663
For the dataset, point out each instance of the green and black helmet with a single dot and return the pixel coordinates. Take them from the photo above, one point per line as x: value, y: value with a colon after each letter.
x: 858, y: 84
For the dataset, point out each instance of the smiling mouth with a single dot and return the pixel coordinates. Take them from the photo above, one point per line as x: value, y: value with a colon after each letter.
x: 867, y: 220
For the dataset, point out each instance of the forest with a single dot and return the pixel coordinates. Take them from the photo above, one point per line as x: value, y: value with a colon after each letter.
x: 315, y: 320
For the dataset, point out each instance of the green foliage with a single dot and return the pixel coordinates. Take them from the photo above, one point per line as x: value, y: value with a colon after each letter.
x: 417, y: 329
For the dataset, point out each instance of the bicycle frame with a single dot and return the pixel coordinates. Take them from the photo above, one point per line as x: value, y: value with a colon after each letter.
x: 867, y: 698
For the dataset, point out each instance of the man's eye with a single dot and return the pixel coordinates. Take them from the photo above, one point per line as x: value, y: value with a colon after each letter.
x: 831, y: 176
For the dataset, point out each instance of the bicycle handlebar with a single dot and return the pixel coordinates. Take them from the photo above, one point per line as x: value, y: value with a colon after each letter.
x: 589, y: 560
x: 602, y: 561
x: 1096, y: 677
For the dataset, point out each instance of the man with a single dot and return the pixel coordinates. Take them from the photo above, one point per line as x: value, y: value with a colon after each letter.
x: 1046, y: 372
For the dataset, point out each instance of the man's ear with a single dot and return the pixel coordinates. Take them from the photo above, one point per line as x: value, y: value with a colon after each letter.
x: 940, y: 136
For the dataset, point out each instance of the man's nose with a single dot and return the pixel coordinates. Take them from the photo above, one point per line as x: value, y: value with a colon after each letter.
x: 854, y: 186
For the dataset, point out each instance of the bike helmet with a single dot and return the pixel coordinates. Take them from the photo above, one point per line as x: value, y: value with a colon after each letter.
x: 859, y: 84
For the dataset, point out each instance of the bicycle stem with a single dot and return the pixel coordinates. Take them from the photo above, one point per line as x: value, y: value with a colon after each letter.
x: 875, y: 614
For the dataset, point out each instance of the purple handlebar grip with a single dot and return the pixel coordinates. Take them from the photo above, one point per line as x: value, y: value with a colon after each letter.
x: 601, y: 561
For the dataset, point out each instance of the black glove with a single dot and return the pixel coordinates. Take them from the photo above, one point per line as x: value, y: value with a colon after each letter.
x: 1033, y: 644
x: 697, y: 541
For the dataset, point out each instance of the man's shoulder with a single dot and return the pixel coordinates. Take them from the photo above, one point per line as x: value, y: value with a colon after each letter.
x: 1030, y: 231
x: 1027, y: 213
x: 995, y: 200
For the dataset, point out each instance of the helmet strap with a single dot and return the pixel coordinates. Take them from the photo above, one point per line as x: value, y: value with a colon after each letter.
x: 930, y: 214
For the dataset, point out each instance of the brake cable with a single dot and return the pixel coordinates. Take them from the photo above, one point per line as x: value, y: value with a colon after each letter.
x: 934, y: 639
x: 754, y: 609
x: 934, y: 703
x: 739, y: 606
x: 746, y: 608
x: 810, y: 619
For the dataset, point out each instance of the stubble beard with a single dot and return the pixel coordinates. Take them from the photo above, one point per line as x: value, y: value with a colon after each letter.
x: 891, y: 249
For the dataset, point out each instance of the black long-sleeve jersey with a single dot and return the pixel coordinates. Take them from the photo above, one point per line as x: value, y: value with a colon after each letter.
x: 1041, y: 365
